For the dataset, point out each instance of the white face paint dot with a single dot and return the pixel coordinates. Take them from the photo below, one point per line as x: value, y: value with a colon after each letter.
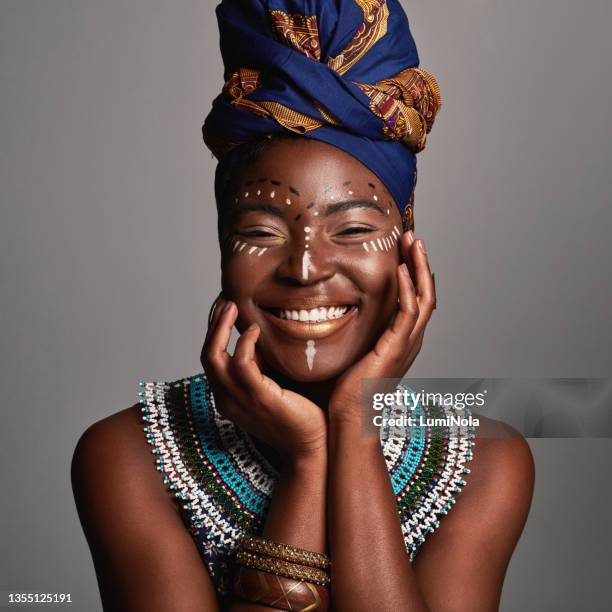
x: 388, y: 211
x: 375, y: 198
x: 307, y: 229
x: 246, y: 194
x: 259, y: 192
x: 316, y: 214
x: 288, y: 202
x: 272, y: 194
x: 350, y: 192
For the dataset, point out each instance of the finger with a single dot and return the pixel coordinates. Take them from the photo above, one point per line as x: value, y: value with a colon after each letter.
x: 243, y: 362
x: 407, y: 244
x: 213, y: 308
x: 394, y: 343
x: 213, y: 319
x: 408, y: 310
x: 216, y: 350
x: 426, y: 294
x: 247, y: 372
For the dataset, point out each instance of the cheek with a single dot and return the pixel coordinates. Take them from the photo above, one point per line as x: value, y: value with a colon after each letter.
x: 241, y: 274
x: 376, y: 275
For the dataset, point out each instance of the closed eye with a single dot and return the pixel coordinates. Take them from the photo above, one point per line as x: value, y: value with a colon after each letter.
x: 355, y: 230
x: 258, y: 234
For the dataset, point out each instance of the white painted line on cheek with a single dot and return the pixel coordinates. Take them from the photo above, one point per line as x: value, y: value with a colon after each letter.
x: 310, y: 351
x: 262, y: 251
x: 379, y: 244
x: 236, y: 245
x: 365, y: 246
x: 252, y: 250
x: 242, y: 245
x: 373, y: 245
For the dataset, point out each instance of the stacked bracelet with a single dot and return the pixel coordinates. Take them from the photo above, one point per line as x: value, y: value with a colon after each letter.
x: 282, y: 568
x: 284, y: 551
x: 281, y: 576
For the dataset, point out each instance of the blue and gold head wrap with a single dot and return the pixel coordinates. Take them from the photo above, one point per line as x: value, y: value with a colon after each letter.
x: 343, y: 72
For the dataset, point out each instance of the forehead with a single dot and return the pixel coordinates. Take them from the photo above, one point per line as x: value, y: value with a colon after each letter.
x: 309, y: 166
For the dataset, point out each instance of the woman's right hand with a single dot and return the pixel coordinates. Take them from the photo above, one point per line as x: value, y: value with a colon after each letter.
x: 291, y: 424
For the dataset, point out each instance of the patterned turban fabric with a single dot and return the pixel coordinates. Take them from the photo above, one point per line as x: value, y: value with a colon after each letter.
x: 341, y: 71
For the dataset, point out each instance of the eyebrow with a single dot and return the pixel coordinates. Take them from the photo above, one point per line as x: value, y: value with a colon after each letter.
x: 347, y: 205
x: 263, y: 207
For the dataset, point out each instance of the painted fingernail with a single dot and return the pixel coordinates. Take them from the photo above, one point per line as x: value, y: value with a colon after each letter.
x: 410, y: 237
x: 422, y: 245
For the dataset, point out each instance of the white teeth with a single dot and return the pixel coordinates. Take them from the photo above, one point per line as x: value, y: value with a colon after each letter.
x: 314, y: 314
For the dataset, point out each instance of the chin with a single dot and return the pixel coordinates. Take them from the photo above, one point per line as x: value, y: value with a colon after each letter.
x: 302, y: 368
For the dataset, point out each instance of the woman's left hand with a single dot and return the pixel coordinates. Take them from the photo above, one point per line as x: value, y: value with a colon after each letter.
x: 400, y: 343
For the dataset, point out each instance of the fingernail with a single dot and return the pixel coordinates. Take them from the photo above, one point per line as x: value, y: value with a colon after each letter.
x: 422, y: 245
x: 226, y: 307
x: 410, y: 237
x: 404, y: 269
x: 252, y: 327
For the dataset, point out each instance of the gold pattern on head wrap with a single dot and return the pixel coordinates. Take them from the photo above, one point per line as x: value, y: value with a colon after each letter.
x: 373, y: 28
x: 407, y: 103
x: 299, y: 31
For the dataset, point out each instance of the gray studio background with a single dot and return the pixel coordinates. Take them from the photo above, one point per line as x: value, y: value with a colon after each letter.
x: 109, y: 257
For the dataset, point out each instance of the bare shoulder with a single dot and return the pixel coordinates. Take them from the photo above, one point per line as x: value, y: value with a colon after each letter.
x: 474, y: 543
x: 144, y: 556
x: 114, y: 454
x: 502, y: 476
x: 502, y: 457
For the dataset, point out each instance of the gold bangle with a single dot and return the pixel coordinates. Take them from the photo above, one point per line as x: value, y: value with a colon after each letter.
x: 282, y: 567
x: 284, y: 551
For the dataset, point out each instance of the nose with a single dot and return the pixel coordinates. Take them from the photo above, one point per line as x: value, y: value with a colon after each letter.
x: 306, y: 264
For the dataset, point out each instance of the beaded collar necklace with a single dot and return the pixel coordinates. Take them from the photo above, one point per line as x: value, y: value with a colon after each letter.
x: 223, y: 484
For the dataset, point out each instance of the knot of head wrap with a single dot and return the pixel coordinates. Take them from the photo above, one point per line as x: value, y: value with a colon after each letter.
x: 343, y: 72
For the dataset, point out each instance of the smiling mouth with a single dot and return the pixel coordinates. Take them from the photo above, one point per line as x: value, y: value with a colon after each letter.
x: 311, y: 323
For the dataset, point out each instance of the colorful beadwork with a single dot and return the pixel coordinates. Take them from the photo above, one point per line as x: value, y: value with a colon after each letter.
x: 223, y: 484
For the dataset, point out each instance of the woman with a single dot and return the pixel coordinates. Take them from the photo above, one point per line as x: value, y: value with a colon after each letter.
x: 327, y: 285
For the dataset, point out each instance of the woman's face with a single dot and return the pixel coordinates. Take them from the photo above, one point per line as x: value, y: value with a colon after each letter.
x: 310, y: 251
